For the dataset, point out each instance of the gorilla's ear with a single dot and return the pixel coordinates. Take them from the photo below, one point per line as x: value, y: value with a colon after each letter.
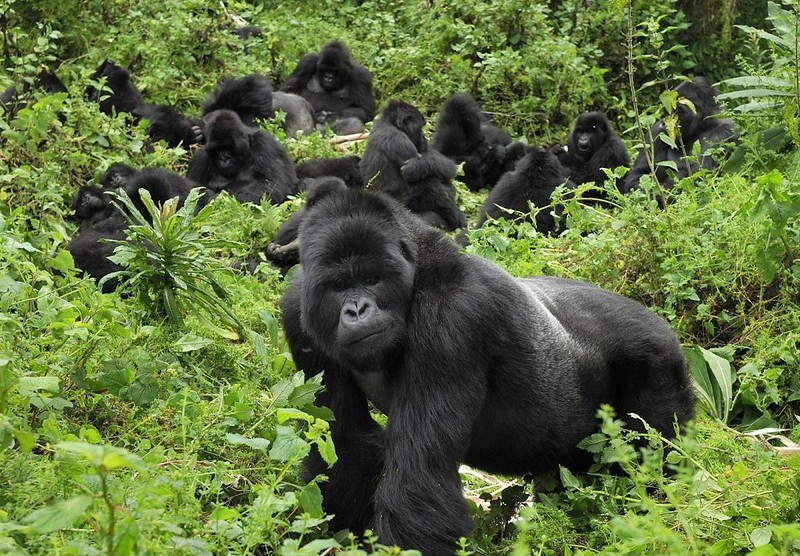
x: 408, y: 251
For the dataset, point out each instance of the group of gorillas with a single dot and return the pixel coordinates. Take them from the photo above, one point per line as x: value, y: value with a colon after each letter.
x: 469, y: 364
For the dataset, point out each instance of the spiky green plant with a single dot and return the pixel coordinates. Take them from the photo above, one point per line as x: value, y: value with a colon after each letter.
x: 166, y: 263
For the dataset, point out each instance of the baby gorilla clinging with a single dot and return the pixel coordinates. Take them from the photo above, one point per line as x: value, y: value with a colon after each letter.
x: 468, y: 363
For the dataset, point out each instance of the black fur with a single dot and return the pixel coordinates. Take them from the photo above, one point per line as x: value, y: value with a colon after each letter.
x: 169, y: 125
x: 94, y: 210
x: 117, y: 176
x: 247, y: 32
x: 124, y: 96
x: 465, y: 134
x: 469, y: 365
x: 250, y: 97
x: 161, y: 184
x: 13, y: 97
x: 338, y: 87
x: 397, y: 162
x: 284, y: 250
x: 90, y: 250
x: 100, y: 220
x: 533, y: 180
x: 247, y: 161
x: 701, y: 125
x: 591, y: 146
x: 346, y: 168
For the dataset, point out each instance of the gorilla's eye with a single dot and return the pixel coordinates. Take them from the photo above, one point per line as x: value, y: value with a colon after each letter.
x: 370, y: 280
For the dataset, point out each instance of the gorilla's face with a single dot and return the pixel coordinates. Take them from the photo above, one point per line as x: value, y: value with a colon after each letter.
x: 333, y: 68
x: 228, y: 143
x: 89, y: 201
x: 358, y: 277
x: 590, y: 132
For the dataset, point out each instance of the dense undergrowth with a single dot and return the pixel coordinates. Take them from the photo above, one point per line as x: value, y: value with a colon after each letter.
x: 128, y: 427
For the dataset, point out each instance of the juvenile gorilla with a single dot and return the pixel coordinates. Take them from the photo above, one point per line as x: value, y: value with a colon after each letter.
x: 338, y: 87
x: 247, y: 162
x: 465, y: 134
x: 469, y: 365
x: 695, y: 125
x: 124, y: 96
x: 165, y: 122
x: 397, y: 162
x: 592, y: 146
x: 533, y: 181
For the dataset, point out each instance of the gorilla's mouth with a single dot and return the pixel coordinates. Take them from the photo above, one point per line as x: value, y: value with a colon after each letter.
x: 369, y: 335
x: 584, y: 148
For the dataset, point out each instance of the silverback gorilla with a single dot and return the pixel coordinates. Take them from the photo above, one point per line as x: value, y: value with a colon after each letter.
x: 469, y: 365
x: 338, y: 87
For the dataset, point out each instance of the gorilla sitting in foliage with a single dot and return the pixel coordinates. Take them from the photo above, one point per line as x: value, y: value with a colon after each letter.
x: 101, y: 221
x: 397, y: 162
x: 592, y: 146
x: 338, y: 87
x: 465, y: 134
x: 698, y: 124
x: 533, y: 181
x: 469, y: 364
x: 246, y: 161
x: 123, y: 96
x: 165, y: 122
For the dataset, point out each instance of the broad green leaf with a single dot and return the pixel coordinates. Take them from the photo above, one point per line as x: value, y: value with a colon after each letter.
x: 326, y: 450
x: 721, y: 371
x: 115, y: 458
x: 594, y: 443
x: 261, y: 444
x: 36, y: 383
x: 285, y: 413
x: 698, y: 368
x: 191, y: 342
x: 568, y: 479
x: 303, y: 395
x: 56, y: 516
x: 288, y: 445
x: 281, y: 392
x: 310, y: 498
x: 760, y: 536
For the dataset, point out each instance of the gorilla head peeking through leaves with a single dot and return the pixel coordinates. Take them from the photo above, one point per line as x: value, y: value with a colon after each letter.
x: 468, y: 363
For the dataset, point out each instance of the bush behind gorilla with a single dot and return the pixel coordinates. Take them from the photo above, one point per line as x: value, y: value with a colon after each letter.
x: 469, y: 364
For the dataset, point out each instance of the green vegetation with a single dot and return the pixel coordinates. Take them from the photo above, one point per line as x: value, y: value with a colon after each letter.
x: 171, y: 420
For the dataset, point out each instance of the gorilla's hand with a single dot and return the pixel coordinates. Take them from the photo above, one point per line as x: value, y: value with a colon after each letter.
x: 415, y: 169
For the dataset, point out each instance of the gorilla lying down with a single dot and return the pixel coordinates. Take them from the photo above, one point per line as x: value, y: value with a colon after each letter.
x: 468, y: 363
